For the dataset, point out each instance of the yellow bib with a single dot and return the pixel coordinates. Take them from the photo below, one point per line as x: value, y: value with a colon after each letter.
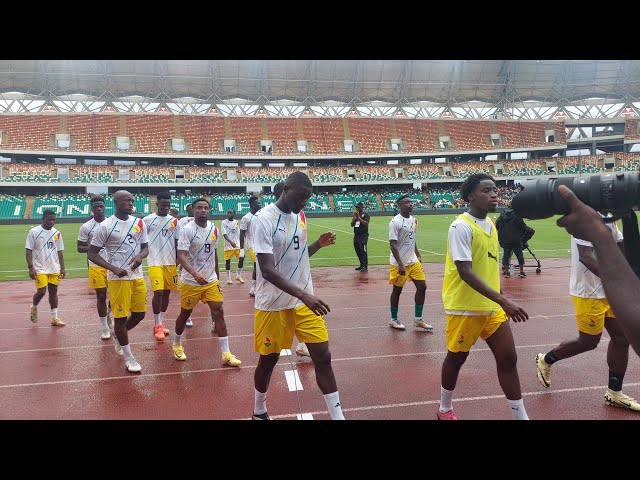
x: 456, y: 293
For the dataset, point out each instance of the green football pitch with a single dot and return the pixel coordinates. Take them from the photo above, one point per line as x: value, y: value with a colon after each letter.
x: 549, y: 241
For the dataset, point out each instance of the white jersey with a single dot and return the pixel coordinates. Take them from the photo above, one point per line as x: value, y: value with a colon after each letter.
x: 45, y: 245
x: 162, y: 240
x: 245, y: 224
x: 121, y: 240
x: 201, y: 244
x: 231, y: 228
x: 86, y: 233
x: 285, y: 236
x: 461, y: 234
x: 404, y: 231
x: 583, y: 283
x: 181, y: 224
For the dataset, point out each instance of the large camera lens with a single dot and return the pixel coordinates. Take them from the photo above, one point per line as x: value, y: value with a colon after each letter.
x: 604, y: 193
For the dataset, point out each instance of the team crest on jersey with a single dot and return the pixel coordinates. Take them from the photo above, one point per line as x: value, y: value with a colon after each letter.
x: 415, y: 223
x: 173, y: 223
x: 302, y: 222
x: 56, y: 237
x: 137, y: 227
x: 214, y: 234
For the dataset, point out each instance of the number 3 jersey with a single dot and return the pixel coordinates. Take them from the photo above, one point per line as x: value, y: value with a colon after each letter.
x: 162, y: 243
x: 121, y: 240
x: 201, y: 244
x: 45, y: 245
x: 285, y: 236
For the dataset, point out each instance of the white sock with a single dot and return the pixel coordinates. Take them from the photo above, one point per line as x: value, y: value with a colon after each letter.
x: 333, y: 404
x: 177, y: 339
x: 228, y: 274
x: 301, y: 345
x: 253, y: 284
x: 161, y: 317
x: 54, y: 312
x: 189, y: 319
x: 156, y: 319
x: 445, y: 399
x: 517, y: 409
x: 105, y: 324
x: 128, y: 356
x: 239, y: 272
x: 259, y: 402
x: 109, y: 311
x: 34, y: 306
x: 224, y: 344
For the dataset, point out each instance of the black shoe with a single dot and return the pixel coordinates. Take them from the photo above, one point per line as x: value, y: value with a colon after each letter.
x: 364, y: 269
x: 359, y: 268
x: 262, y: 416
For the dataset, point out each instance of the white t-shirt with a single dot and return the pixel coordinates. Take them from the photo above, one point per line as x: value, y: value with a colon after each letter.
x: 201, y: 243
x: 245, y: 224
x: 121, y: 240
x: 285, y: 236
x: 45, y: 245
x: 460, y: 237
x: 404, y: 231
x: 231, y: 228
x: 87, y: 230
x: 583, y: 283
x: 181, y: 224
x: 461, y: 234
x: 162, y: 241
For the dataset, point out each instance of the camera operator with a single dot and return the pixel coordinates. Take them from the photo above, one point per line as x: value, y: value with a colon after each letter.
x: 511, y: 229
x: 620, y: 284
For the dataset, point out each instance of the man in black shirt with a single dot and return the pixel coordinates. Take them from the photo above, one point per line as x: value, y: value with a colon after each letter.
x: 360, y: 224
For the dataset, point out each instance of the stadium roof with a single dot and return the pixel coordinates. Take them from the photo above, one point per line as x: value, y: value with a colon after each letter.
x: 438, y: 85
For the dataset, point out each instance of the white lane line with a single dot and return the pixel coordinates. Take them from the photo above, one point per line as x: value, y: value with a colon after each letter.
x: 284, y: 352
x: 304, y: 416
x: 293, y: 380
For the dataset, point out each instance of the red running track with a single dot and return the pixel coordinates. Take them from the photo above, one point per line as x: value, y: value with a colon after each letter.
x: 70, y: 373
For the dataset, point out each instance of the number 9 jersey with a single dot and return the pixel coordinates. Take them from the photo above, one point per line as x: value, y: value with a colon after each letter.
x: 200, y: 244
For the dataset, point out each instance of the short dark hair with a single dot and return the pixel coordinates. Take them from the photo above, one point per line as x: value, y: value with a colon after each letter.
x: 278, y: 189
x: 190, y: 205
x: 253, y: 199
x: 470, y: 184
x: 201, y: 199
x: 298, y: 179
x: 359, y: 204
x: 401, y: 197
x: 48, y: 212
x: 163, y: 196
x: 96, y: 199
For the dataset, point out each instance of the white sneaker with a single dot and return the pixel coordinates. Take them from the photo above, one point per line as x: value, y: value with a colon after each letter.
x: 117, y: 345
x: 229, y: 281
x: 189, y: 322
x: 396, y: 324
x: 133, y: 366
x: 302, y: 350
x: 420, y: 325
x: 240, y: 279
x: 106, y: 334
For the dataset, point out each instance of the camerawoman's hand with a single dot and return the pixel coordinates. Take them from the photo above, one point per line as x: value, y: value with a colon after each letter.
x: 583, y: 222
x: 316, y: 305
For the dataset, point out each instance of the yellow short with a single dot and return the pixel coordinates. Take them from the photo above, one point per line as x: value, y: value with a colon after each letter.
x: 274, y: 331
x: 163, y: 277
x: 463, y: 330
x: 127, y: 296
x: 190, y: 294
x: 413, y: 272
x: 43, y: 279
x: 97, y: 277
x: 252, y: 254
x: 590, y: 314
x: 228, y: 254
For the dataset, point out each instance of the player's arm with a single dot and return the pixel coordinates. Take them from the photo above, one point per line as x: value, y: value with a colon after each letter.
x: 215, y: 254
x: 271, y: 275
x: 362, y: 220
x: 396, y: 254
x: 94, y: 256
x: 136, y: 261
x: 587, y: 256
x: 326, y: 239
x: 233, y: 244
x: 82, y: 247
x: 63, y: 273
x: 183, y: 259
x: 417, y: 252
x: 32, y: 270
x: 243, y: 233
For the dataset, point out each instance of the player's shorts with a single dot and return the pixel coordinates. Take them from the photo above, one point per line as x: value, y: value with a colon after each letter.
x: 127, y: 296
x: 412, y: 272
x: 97, y: 277
x: 191, y: 294
x: 163, y: 277
x: 463, y: 331
x: 228, y: 254
x: 44, y: 279
x: 590, y: 314
x: 252, y: 254
x: 274, y: 331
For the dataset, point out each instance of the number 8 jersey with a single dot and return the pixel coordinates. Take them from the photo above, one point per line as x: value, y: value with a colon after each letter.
x: 201, y: 244
x: 285, y: 236
x: 121, y: 240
